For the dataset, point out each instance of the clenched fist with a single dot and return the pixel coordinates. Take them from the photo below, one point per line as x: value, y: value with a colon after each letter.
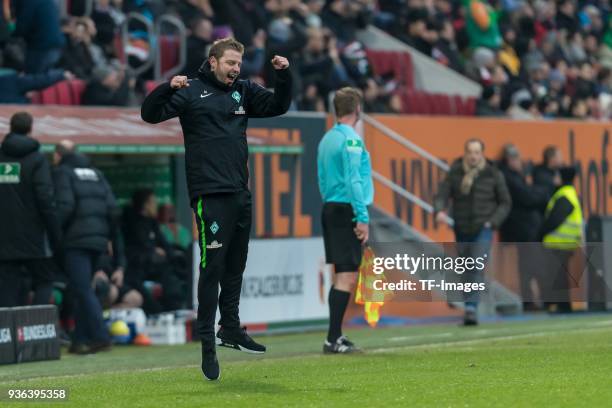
x: 279, y: 62
x: 179, y: 82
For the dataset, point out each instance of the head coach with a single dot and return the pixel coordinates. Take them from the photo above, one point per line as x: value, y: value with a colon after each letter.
x: 213, y: 110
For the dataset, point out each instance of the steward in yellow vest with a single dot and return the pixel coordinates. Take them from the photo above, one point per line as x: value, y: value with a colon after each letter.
x: 562, y: 233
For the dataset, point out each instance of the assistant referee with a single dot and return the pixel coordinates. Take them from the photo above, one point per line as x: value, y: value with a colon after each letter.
x: 345, y: 183
x: 213, y: 110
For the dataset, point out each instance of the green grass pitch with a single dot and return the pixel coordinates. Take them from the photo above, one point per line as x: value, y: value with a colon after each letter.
x: 557, y: 362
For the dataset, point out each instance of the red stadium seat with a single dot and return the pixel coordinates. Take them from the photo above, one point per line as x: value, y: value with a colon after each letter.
x: 150, y: 86
x: 64, y: 93
x: 77, y: 87
x: 393, y: 62
x: 48, y: 96
x: 169, y: 47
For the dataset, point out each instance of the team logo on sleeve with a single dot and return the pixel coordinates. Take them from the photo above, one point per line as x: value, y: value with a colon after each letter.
x: 214, y: 227
x: 354, y: 145
x: 236, y: 95
x: 10, y: 173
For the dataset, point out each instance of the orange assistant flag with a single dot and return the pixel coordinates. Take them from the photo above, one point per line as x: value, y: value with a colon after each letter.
x: 373, y: 300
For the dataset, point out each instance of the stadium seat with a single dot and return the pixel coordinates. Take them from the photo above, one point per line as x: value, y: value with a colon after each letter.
x: 392, y: 62
x: 64, y: 93
x: 169, y: 46
x: 150, y: 86
x: 48, y: 96
x: 78, y: 88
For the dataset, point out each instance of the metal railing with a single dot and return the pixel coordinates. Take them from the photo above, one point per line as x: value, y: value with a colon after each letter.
x: 392, y: 134
x: 415, y: 149
x: 146, y: 65
x: 182, y: 35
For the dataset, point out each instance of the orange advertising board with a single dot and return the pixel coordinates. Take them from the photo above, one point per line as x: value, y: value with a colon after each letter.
x: 586, y: 144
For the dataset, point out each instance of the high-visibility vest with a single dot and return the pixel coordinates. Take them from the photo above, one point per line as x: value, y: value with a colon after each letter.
x: 569, y: 234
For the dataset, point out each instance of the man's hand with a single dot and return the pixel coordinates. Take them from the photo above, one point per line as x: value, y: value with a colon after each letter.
x: 362, y: 231
x: 117, y: 277
x: 69, y: 75
x: 179, y: 82
x: 100, y: 275
x: 279, y: 62
x: 441, y: 217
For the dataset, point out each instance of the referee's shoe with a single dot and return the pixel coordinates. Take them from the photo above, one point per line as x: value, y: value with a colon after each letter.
x: 341, y: 346
x: 238, y: 339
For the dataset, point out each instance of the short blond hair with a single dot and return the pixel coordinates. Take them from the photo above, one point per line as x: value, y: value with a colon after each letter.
x: 347, y: 100
x: 220, y: 46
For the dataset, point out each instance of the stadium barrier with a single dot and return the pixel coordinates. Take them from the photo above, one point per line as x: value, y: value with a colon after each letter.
x: 29, y: 333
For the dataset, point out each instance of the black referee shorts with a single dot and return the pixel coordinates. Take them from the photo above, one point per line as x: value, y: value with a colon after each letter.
x: 342, y: 248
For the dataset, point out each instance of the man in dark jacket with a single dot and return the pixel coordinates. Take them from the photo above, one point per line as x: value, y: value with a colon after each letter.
x: 523, y: 223
x: 481, y: 203
x: 28, y: 215
x: 214, y: 111
x: 88, y: 214
x: 149, y: 255
x: 546, y: 174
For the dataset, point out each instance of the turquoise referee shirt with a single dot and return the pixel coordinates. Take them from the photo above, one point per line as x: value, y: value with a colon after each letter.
x: 345, y: 170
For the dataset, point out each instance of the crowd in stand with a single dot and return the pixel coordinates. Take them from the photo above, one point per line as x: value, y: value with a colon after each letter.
x: 534, y: 59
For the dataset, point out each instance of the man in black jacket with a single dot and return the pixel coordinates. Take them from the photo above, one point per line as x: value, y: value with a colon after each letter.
x: 547, y: 174
x: 481, y: 203
x: 523, y: 223
x: 28, y: 218
x: 88, y: 214
x: 213, y: 110
x: 149, y: 256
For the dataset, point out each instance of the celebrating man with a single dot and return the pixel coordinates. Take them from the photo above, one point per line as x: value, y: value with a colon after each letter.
x: 213, y: 110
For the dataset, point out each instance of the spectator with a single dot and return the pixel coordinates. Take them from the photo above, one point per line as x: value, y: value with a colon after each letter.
x: 321, y: 69
x: 28, y: 215
x: 285, y: 37
x: 149, y: 256
x: 108, y: 87
x: 479, y: 34
x: 88, y: 214
x: 480, y: 202
x: 108, y: 19
x: 15, y: 86
x: 546, y: 175
x: 489, y: 102
x: 245, y: 17
x: 522, y: 107
x: 38, y: 23
x: 445, y: 50
x: 81, y: 55
x: 344, y: 18
x: 523, y: 223
x: 566, y: 16
x: 200, y: 38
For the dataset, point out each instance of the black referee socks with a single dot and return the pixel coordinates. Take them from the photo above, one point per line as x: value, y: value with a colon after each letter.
x: 338, y: 300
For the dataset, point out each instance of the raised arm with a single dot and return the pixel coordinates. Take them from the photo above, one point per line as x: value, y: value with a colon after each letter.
x: 263, y: 103
x: 167, y: 101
